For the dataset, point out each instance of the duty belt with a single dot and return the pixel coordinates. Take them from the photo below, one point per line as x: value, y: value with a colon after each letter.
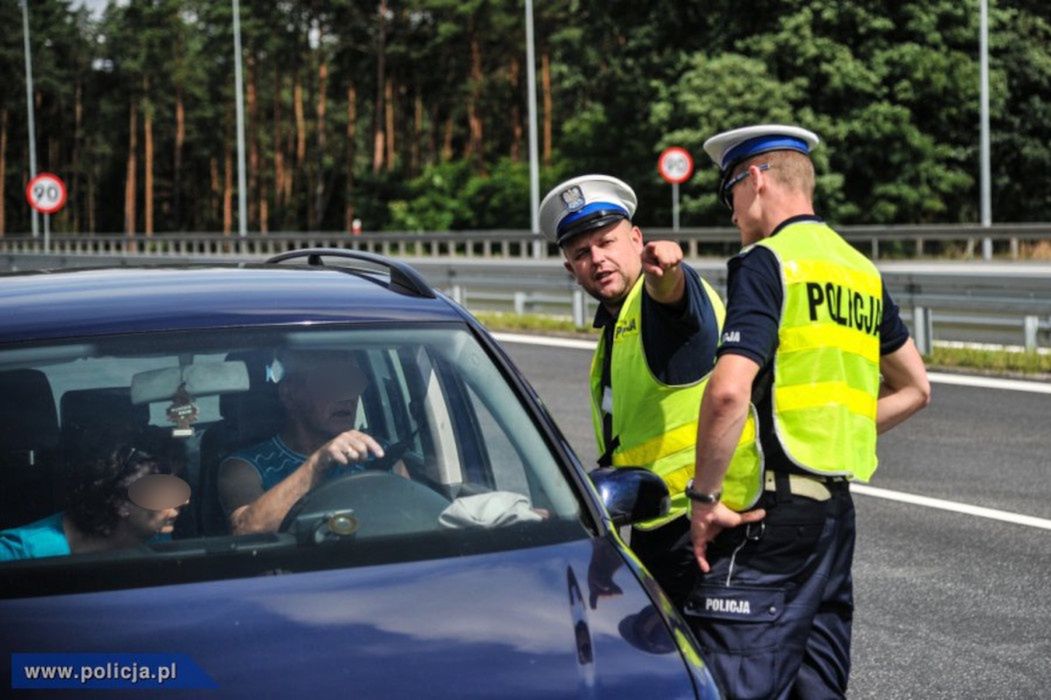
x: 813, y: 487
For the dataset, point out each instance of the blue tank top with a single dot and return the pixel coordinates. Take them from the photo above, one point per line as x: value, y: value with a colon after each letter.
x: 274, y: 460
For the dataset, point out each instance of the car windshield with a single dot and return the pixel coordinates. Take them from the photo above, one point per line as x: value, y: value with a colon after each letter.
x: 156, y: 446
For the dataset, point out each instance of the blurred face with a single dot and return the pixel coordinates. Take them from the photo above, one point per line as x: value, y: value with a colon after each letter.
x: 323, y: 395
x: 606, y: 262
x: 147, y: 523
x: 153, y: 504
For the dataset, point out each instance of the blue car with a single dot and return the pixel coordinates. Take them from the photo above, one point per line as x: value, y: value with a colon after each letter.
x: 167, y: 521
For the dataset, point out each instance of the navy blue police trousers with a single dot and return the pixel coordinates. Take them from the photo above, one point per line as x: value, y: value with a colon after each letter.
x: 773, y: 616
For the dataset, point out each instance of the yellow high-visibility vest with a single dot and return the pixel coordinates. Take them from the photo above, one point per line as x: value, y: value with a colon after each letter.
x: 826, y: 367
x: 656, y: 423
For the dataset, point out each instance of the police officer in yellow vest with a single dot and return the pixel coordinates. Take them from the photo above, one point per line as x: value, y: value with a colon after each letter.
x: 660, y: 327
x: 809, y: 331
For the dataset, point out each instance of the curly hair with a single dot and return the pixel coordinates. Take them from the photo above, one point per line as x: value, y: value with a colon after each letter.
x: 101, y: 487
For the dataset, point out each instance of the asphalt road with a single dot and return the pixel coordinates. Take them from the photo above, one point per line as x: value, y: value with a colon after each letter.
x: 949, y: 605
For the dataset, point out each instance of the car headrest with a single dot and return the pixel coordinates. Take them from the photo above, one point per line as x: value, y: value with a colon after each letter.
x: 28, y: 419
x: 100, y: 418
x: 88, y: 407
x: 258, y: 410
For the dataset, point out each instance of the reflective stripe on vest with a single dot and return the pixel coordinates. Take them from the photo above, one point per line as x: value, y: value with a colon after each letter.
x: 826, y: 368
x: 656, y: 423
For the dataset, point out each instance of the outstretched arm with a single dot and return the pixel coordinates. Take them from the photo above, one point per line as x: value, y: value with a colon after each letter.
x: 661, y: 265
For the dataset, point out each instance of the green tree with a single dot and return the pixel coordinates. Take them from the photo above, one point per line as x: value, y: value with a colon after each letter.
x: 1021, y: 119
x: 355, y: 106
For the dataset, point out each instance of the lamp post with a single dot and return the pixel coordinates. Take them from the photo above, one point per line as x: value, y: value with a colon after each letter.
x: 534, y: 168
x: 986, y: 187
x: 29, y: 107
x: 242, y: 216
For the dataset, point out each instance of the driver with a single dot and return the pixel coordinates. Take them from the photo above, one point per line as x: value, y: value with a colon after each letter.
x: 321, y: 392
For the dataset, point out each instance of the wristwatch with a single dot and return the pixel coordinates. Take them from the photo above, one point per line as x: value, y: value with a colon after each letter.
x: 702, y: 497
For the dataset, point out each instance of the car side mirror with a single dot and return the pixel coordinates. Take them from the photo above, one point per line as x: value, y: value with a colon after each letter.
x: 631, y: 494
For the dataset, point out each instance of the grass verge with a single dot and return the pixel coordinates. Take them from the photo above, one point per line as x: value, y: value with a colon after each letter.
x: 994, y: 361
x: 511, y: 322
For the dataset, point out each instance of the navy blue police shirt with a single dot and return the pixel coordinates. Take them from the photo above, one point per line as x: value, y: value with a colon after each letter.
x: 753, y: 314
x: 679, y: 340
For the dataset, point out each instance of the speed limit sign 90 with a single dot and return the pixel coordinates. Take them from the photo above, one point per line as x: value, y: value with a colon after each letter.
x: 46, y: 193
x: 675, y: 165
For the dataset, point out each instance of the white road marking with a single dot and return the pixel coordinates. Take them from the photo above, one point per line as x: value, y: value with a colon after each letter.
x: 937, y: 377
x: 553, y: 342
x: 928, y: 502
x: 990, y: 382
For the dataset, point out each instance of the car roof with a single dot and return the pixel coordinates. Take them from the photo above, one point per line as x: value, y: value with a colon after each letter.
x: 104, y: 301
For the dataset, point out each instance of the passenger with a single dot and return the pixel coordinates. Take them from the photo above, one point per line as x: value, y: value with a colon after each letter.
x: 321, y: 392
x: 116, y: 502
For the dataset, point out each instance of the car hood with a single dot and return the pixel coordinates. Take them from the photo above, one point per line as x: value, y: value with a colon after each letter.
x: 521, y: 623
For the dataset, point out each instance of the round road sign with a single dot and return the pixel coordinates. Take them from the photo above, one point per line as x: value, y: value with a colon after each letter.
x: 46, y: 193
x: 675, y: 165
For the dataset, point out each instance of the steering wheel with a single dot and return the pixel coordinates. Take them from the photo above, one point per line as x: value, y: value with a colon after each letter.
x: 382, y: 504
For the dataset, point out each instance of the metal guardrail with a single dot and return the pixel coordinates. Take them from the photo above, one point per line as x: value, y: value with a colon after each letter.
x: 696, y: 242
x: 1003, y: 303
x: 921, y: 319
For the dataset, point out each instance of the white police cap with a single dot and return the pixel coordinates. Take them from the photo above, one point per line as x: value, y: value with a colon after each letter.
x: 731, y: 147
x: 585, y: 203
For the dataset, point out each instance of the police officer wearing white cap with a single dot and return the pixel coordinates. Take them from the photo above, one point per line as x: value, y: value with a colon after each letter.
x: 809, y: 331
x: 660, y: 327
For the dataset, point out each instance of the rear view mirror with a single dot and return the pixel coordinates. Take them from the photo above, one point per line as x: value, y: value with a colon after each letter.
x: 631, y: 494
x: 200, y: 379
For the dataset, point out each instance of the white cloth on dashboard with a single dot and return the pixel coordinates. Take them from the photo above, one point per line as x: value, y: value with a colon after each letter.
x: 486, y: 510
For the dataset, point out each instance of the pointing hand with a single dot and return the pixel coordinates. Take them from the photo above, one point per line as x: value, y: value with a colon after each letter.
x: 660, y: 256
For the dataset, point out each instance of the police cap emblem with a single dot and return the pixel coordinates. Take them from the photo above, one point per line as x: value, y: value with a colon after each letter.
x: 573, y: 198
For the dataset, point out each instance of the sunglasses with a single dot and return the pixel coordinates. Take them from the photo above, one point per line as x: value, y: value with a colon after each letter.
x: 727, y: 191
